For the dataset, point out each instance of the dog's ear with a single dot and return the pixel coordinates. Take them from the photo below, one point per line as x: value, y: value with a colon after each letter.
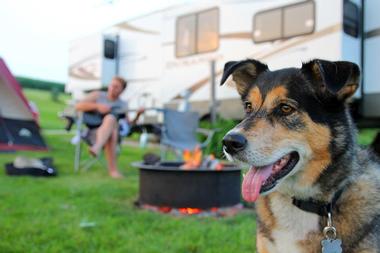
x: 243, y: 73
x: 339, y: 79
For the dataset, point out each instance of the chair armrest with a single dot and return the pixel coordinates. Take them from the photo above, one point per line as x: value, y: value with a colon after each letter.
x: 206, y: 132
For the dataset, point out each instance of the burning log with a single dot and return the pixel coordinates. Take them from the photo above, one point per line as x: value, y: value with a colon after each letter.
x: 193, y: 160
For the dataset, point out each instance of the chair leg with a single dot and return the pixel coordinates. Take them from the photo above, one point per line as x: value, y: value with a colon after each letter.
x: 77, y: 156
x: 88, y: 164
x: 163, y: 152
x: 178, y: 154
x: 78, y: 144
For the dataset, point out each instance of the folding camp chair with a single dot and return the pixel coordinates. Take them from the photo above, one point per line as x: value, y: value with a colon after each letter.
x: 86, y: 132
x: 179, y: 132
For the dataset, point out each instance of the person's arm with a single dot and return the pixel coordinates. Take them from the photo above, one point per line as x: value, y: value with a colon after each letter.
x: 89, y: 104
x: 138, y: 114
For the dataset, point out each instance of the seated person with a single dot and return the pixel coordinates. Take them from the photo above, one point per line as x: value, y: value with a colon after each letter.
x: 111, y: 106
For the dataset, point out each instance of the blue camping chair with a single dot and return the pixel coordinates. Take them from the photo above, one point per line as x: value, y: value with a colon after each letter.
x: 179, y: 132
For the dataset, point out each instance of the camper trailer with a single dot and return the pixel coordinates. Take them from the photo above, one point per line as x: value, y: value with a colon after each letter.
x: 178, y: 53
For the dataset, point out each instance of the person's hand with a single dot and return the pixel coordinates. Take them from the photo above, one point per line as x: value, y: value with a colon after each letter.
x: 140, y: 110
x: 103, y: 109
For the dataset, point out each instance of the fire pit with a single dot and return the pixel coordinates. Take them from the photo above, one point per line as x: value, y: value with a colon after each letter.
x: 165, y: 185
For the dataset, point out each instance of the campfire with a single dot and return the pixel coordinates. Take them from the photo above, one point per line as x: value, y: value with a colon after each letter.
x: 199, y: 185
x: 193, y: 160
x: 188, y: 211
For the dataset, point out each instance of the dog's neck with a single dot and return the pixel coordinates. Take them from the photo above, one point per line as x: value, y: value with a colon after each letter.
x: 344, y: 158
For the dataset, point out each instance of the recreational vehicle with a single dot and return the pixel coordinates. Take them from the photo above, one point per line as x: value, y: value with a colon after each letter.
x: 179, y: 53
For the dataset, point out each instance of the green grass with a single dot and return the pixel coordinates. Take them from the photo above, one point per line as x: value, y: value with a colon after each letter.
x: 44, y: 215
x: 47, y: 108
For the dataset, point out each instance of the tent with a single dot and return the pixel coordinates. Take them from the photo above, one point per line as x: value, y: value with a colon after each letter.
x: 18, y: 124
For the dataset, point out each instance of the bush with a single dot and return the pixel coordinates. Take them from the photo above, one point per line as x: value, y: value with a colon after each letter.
x: 222, y: 126
x: 40, y: 85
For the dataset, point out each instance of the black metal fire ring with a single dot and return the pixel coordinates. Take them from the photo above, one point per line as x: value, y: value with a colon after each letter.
x: 167, y: 185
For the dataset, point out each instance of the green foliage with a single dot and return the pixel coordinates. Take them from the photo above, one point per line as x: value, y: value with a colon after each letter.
x: 40, y: 84
x: 55, y: 94
x: 367, y: 135
x: 222, y: 126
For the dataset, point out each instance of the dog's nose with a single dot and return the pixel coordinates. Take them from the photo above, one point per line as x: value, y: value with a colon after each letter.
x: 234, y: 143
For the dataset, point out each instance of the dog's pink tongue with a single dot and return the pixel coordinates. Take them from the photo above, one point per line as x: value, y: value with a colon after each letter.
x: 253, y: 181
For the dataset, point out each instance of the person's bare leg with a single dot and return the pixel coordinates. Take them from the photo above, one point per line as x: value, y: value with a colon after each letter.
x: 103, y: 133
x: 110, y: 153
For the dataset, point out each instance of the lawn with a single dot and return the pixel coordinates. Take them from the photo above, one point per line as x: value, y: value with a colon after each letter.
x: 45, y: 215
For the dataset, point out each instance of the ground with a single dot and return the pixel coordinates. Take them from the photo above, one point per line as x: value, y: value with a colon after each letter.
x: 46, y: 214
x: 90, y: 212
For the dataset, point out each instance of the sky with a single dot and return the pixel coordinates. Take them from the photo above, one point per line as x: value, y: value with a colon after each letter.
x: 35, y: 34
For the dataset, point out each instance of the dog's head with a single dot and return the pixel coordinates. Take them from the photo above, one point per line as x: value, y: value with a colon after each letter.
x: 292, y: 118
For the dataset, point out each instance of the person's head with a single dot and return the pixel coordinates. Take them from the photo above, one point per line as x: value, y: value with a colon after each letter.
x: 116, y: 87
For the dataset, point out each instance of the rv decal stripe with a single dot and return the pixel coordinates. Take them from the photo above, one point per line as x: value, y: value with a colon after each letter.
x: 82, y: 74
x: 84, y: 60
x: 373, y: 33
x: 130, y: 27
x: 78, y: 69
x: 239, y: 35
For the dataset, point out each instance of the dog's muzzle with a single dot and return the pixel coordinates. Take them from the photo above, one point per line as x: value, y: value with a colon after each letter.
x: 234, y: 143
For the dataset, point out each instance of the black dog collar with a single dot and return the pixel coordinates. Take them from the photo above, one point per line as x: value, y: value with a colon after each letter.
x: 317, y: 207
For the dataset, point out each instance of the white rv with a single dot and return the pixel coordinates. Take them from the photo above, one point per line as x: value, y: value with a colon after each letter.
x: 183, y: 49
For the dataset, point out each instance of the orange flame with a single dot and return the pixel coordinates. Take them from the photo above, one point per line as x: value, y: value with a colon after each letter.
x: 189, y: 210
x: 192, y: 159
x: 184, y: 210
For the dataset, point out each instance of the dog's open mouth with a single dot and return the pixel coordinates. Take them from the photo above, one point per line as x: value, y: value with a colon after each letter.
x: 264, y: 178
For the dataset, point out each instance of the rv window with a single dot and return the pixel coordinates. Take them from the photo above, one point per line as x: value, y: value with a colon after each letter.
x: 109, y: 49
x: 186, y: 35
x: 267, y: 26
x: 208, y: 31
x: 298, y: 19
x: 351, y: 19
x: 197, y: 33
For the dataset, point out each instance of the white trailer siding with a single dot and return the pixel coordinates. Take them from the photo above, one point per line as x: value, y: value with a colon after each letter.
x: 85, y: 58
x: 157, y: 76
x: 371, y: 73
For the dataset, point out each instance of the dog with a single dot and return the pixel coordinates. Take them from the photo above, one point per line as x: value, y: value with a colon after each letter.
x: 314, y: 188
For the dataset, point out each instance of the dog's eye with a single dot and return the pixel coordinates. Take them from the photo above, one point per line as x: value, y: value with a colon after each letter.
x: 286, y: 109
x: 248, y: 107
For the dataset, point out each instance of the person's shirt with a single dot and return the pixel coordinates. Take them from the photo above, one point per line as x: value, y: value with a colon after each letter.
x: 118, y: 106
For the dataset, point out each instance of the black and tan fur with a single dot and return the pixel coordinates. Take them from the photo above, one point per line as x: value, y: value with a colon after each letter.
x: 320, y: 127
